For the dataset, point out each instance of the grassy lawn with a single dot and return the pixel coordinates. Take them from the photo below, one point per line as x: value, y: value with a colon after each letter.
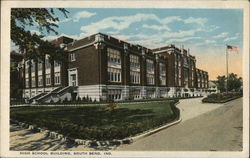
x: 95, y: 122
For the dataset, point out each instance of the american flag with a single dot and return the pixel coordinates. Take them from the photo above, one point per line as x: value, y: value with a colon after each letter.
x: 232, y: 48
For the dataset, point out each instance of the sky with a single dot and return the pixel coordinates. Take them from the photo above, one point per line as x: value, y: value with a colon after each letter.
x: 206, y: 32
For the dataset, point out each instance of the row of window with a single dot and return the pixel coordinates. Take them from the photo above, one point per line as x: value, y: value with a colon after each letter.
x: 114, y: 94
x: 150, y: 66
x: 150, y: 79
x: 40, y: 65
x: 57, y: 80
x: 135, y: 77
x: 114, y: 75
x: 134, y: 61
x: 114, y: 56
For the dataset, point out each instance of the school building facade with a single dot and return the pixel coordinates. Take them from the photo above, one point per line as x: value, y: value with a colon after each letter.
x: 102, y: 67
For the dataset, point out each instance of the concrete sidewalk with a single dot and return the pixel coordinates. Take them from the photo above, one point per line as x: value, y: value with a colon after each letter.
x: 191, y: 108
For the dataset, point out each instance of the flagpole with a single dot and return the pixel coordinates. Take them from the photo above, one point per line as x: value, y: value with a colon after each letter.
x: 227, y: 69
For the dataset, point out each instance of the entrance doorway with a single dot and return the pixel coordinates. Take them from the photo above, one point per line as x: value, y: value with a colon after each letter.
x: 73, y: 77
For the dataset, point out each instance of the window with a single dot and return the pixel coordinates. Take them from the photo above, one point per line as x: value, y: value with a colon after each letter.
x: 48, y: 79
x: 40, y: 80
x: 114, y: 75
x: 27, y: 82
x: 40, y: 66
x: 114, y: 56
x: 162, y: 69
x: 72, y: 56
x: 33, y: 67
x: 33, y: 81
x: 150, y: 79
x: 162, y: 80
x: 134, y: 61
x: 56, y: 64
x: 135, y: 94
x: 150, y: 93
x: 135, y: 77
x: 114, y: 94
x: 150, y: 66
x: 57, y: 78
x: 26, y: 66
x: 47, y: 64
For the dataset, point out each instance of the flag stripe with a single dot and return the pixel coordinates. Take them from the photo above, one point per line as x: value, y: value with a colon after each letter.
x: 232, y: 48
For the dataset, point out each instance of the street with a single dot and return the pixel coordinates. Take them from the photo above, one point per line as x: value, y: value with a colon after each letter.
x: 218, y: 128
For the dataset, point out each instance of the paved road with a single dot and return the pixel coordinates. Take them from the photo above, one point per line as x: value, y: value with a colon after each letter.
x: 205, y: 127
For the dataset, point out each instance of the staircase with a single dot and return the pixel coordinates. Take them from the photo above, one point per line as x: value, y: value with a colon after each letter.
x: 55, y: 95
x: 33, y: 99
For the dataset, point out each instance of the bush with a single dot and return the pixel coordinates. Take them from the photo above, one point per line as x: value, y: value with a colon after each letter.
x: 112, y: 106
x: 221, y: 97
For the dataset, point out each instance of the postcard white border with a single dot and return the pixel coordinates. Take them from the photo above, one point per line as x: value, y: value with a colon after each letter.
x: 5, y: 49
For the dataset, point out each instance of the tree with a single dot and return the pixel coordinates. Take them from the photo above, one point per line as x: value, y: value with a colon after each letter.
x: 32, y: 44
x: 221, y: 80
x: 234, y: 83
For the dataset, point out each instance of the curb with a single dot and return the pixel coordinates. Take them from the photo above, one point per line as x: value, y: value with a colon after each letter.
x: 91, y: 143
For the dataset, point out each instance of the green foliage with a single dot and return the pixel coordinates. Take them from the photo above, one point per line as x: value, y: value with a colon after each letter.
x: 32, y: 44
x: 112, y: 106
x: 221, y: 97
x: 221, y: 83
x: 234, y: 83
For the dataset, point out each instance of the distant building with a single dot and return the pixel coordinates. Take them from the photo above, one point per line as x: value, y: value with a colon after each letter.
x: 213, y: 87
x: 102, y: 67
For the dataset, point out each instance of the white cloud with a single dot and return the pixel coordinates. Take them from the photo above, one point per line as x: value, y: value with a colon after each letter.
x: 116, y: 22
x: 82, y: 14
x: 200, y: 21
x: 221, y: 35
x: 170, y: 19
x: 182, y: 39
x: 119, y: 23
x: 211, y: 28
x: 210, y: 41
x: 232, y: 38
x: 156, y: 27
x: 65, y: 20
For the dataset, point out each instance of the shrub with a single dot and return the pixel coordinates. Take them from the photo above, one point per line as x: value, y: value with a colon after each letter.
x: 112, y: 106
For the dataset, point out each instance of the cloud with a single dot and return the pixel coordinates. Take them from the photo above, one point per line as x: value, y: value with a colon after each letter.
x: 156, y: 27
x: 232, y: 38
x: 118, y: 23
x: 82, y: 14
x: 210, y: 41
x: 65, y: 20
x: 199, y: 21
x: 182, y: 39
x: 221, y: 35
x: 211, y: 28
